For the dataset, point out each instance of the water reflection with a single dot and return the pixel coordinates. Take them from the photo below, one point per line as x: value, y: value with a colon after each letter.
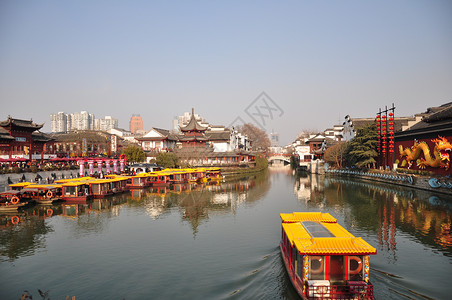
x: 197, y: 201
x: 24, y: 239
x: 23, y: 233
x: 383, y: 209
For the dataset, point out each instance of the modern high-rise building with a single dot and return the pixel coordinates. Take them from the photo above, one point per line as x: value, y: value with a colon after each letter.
x: 62, y: 122
x: 135, y: 124
x: 58, y: 122
x: 82, y: 121
x: 105, y: 124
x: 274, y: 139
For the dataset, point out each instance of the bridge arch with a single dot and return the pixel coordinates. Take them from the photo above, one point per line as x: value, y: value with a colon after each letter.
x: 278, y: 159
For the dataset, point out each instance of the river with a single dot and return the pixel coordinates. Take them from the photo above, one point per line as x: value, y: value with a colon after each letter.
x: 221, y: 241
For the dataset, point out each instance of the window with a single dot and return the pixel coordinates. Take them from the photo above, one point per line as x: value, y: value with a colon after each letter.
x: 300, y: 265
x: 316, y: 229
x: 317, y: 267
x: 355, y: 268
x: 69, y: 190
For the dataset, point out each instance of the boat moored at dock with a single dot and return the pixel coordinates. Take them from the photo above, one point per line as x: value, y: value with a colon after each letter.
x: 76, y: 191
x: 323, y: 260
x: 139, y: 181
x: 42, y: 193
x: 10, y: 201
x: 18, y: 186
x: 213, y: 174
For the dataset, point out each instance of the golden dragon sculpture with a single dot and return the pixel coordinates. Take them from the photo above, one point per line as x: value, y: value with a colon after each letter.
x: 439, y: 159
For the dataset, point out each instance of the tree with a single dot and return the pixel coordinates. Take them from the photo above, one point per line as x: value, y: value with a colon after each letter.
x: 335, y: 155
x: 261, y: 162
x: 167, y: 160
x: 362, y: 149
x: 134, y: 153
x: 258, y: 136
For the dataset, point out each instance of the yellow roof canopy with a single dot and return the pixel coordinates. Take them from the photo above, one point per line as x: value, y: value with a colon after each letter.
x: 320, y: 234
x: 307, y: 216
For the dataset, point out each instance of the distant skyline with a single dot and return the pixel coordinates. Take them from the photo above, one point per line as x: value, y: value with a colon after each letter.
x: 285, y: 65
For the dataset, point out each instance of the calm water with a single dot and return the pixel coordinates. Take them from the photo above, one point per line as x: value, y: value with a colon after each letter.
x: 221, y: 241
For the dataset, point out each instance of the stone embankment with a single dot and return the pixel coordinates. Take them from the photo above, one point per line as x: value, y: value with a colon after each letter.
x: 31, y: 177
x: 434, y: 184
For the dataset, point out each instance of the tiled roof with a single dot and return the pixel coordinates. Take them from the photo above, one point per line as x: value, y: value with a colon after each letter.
x: 193, y: 124
x: 166, y: 134
x: 218, y: 135
x: 40, y: 137
x: 21, y: 123
x: 307, y: 216
x: 341, y: 241
x: 440, y: 115
x: 89, y: 135
x: 4, y: 134
x: 436, y: 120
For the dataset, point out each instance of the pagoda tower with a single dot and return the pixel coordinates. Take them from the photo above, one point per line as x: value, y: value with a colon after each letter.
x: 193, y: 133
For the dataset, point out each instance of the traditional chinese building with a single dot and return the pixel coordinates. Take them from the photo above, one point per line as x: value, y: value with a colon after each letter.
x: 193, y: 133
x: 22, y: 139
x: 87, y: 143
x: 158, y: 140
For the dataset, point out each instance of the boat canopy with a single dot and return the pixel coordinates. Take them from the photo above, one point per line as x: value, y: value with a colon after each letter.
x: 20, y: 184
x: 320, y: 234
x: 75, y: 183
x: 307, y: 216
x: 45, y: 186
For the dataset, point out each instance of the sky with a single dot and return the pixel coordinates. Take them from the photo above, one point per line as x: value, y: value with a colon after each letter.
x: 285, y: 66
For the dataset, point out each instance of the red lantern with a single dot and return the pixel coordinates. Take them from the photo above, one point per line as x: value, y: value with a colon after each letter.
x: 391, y: 119
x: 384, y: 117
x: 391, y: 114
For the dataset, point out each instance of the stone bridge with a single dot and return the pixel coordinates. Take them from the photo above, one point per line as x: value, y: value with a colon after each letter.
x: 279, y: 159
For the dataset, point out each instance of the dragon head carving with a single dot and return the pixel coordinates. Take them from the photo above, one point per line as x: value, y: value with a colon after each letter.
x: 444, y: 147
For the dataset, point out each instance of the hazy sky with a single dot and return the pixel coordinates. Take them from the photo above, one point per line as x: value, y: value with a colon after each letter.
x: 316, y: 61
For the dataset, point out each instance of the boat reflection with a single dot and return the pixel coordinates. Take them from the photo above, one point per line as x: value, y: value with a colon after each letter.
x: 422, y: 214
x: 195, y: 201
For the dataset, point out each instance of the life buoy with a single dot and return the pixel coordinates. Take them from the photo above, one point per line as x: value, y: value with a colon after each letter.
x: 434, y: 183
x: 15, y: 220
x: 359, y: 262
x: 14, y: 200
x: 50, y: 194
x: 49, y: 212
x: 320, y: 268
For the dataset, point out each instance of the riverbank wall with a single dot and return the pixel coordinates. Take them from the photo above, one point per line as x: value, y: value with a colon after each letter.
x: 434, y: 184
x: 31, y: 177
